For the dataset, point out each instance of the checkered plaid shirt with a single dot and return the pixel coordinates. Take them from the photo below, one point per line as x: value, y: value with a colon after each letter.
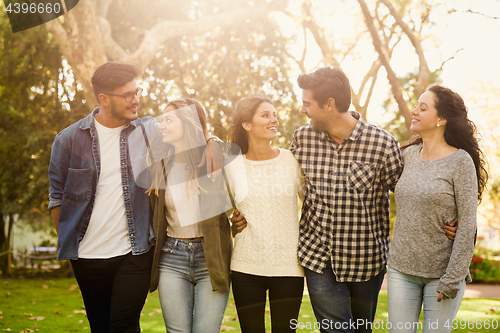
x: 345, y: 215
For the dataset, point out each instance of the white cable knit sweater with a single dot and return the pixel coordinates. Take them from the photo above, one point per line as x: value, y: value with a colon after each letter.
x: 266, y: 194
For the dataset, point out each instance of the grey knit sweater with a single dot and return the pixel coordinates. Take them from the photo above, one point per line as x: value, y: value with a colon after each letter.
x: 429, y: 195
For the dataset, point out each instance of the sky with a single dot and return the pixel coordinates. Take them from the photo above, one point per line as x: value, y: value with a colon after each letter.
x: 471, y: 39
x: 478, y: 36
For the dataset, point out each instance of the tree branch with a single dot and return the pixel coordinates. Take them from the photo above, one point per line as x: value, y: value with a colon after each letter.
x: 169, y: 29
x: 300, y: 62
x: 83, y: 51
x: 103, y: 7
x: 351, y: 47
x: 372, y: 87
x: 113, y: 50
x: 289, y: 14
x: 423, y: 72
x: 319, y: 37
x: 384, y: 58
x: 356, y: 98
x: 478, y: 13
x: 61, y: 36
x: 304, y: 51
x: 450, y: 58
x: 373, y: 72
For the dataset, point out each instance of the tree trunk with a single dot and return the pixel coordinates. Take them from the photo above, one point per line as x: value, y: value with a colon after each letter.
x: 384, y: 59
x: 3, y: 239
x: 86, y: 41
x: 328, y: 50
x: 8, y: 269
x: 423, y: 72
x: 3, y: 245
x: 80, y: 42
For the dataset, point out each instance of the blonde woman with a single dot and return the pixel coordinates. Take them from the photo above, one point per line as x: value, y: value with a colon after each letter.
x: 192, y: 255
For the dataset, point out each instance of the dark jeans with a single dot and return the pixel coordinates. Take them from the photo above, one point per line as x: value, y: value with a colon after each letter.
x: 114, y: 290
x: 343, y: 306
x: 285, y: 297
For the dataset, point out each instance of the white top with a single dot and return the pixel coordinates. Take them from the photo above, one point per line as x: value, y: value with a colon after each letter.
x: 183, y: 213
x: 107, y: 233
x: 268, y: 245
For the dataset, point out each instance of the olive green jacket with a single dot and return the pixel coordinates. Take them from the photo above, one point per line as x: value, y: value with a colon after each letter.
x: 217, y: 243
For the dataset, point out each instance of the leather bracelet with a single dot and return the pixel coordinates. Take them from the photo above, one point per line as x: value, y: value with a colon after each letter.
x: 216, y: 139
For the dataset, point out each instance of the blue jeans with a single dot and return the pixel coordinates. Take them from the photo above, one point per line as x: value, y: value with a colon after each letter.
x: 187, y: 301
x: 406, y: 293
x: 343, y: 306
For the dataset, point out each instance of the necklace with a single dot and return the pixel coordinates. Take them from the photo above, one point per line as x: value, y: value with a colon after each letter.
x: 432, y: 157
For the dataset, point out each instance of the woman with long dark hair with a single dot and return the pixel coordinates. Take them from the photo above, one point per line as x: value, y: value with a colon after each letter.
x: 443, y: 178
x: 193, y: 250
x: 265, y: 252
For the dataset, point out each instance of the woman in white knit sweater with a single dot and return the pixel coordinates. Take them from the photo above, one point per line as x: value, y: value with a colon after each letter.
x: 265, y: 251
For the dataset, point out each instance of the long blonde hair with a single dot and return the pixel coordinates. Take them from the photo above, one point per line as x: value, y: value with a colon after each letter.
x: 192, y: 129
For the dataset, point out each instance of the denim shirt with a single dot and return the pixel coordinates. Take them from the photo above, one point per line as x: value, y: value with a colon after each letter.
x: 74, y: 170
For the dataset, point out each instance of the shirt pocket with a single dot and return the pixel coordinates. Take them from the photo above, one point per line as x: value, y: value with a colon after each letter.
x: 78, y: 185
x: 361, y: 177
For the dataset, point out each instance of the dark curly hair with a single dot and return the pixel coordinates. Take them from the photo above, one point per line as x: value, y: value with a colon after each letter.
x: 460, y: 132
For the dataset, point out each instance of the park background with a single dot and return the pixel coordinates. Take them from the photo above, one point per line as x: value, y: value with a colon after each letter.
x: 219, y: 51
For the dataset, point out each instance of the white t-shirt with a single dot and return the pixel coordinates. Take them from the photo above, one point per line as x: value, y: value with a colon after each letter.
x: 107, y: 233
x: 183, y: 213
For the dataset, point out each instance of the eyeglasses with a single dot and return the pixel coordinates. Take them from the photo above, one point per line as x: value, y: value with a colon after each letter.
x: 130, y: 96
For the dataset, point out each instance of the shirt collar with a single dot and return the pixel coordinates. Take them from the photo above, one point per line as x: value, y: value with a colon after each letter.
x: 360, y: 126
x: 89, y: 119
x: 356, y: 133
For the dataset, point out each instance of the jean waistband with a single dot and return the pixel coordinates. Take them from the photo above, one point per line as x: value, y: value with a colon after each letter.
x: 176, y: 242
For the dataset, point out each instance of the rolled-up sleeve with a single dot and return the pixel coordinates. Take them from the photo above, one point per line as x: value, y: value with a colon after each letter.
x: 295, y: 144
x: 393, y: 166
x: 58, y: 171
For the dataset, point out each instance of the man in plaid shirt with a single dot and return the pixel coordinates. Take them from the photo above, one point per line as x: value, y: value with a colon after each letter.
x: 350, y: 166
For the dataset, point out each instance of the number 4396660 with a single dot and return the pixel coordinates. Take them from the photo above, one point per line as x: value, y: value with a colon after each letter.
x: 33, y: 8
x: 472, y: 324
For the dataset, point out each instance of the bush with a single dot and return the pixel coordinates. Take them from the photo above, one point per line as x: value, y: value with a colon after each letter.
x: 484, y: 271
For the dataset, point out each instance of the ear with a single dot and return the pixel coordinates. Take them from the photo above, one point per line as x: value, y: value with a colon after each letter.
x: 104, y: 100
x: 330, y: 104
x: 442, y: 121
x: 246, y: 126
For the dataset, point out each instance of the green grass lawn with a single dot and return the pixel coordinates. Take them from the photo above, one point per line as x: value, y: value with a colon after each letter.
x: 56, y: 306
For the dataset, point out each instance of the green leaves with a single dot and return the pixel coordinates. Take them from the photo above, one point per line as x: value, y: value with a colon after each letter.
x: 33, y: 88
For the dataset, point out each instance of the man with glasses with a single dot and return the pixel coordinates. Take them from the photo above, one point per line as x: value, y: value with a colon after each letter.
x: 102, y: 217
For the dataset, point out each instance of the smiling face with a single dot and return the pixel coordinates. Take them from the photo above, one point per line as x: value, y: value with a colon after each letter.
x: 264, y: 124
x: 120, y: 110
x: 425, y: 116
x: 313, y: 111
x: 171, y: 127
